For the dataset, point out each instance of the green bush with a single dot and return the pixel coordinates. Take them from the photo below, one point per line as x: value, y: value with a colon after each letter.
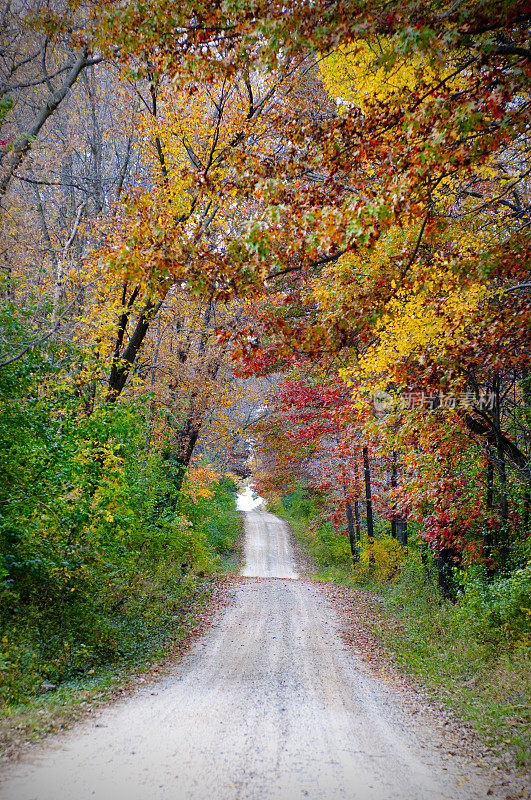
x: 503, y: 604
x: 215, y: 519
x: 93, y: 532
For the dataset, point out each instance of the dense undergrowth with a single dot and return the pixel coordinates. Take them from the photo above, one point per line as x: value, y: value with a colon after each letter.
x: 101, y: 551
x: 120, y: 605
x: 474, y: 652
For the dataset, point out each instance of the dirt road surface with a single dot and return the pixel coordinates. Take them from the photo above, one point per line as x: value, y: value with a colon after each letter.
x: 268, y: 551
x: 267, y: 705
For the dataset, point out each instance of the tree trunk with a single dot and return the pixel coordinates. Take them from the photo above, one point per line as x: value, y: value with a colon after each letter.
x: 180, y: 451
x: 152, y: 405
x: 445, y: 574
x: 358, y: 520
x: 502, y: 478
x: 501, y: 466
x: 123, y: 362
x: 368, y: 502
x: 401, y: 530
x: 22, y: 145
x: 490, y: 480
x: 58, y: 294
x: 352, y: 535
x: 526, y: 396
x: 394, y: 471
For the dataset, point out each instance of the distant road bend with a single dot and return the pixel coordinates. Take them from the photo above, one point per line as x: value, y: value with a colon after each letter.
x: 267, y: 705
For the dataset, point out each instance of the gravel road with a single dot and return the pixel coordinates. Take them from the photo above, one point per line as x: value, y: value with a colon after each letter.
x: 267, y: 705
x: 268, y: 551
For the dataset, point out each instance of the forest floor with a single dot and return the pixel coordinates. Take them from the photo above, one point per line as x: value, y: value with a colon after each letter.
x: 286, y: 694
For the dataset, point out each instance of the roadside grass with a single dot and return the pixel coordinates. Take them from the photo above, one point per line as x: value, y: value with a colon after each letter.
x: 479, y: 670
x: 470, y: 658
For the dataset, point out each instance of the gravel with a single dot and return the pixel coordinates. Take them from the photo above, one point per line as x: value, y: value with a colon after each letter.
x: 270, y: 704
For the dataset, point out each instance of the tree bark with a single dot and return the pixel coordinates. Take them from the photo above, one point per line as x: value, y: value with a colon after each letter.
x: 152, y: 405
x: 21, y: 147
x: 394, y: 471
x: 490, y: 481
x: 496, y: 438
x: 354, y: 549
x: 368, y: 503
x: 123, y: 362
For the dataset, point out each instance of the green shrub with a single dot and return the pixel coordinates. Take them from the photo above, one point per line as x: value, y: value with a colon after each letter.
x: 216, y: 520
x: 93, y: 531
x: 503, y: 603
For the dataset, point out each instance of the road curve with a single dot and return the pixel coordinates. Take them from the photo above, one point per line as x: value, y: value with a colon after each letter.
x: 268, y: 705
